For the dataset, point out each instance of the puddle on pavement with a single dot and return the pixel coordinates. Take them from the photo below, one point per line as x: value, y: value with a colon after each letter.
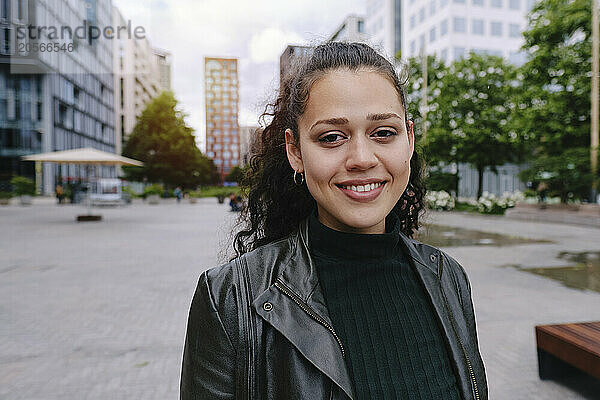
x: 584, y: 274
x: 448, y: 236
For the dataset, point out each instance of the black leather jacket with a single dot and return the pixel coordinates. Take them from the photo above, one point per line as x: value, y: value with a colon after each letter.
x: 259, y: 328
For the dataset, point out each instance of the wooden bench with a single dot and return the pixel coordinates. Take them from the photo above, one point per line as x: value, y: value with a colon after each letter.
x: 567, y: 348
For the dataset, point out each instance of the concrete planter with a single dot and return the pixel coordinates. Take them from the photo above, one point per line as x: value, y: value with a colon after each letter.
x: 4, y: 201
x: 153, y: 199
x: 193, y: 200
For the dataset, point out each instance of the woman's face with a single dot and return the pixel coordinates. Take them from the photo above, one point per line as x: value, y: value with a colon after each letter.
x: 355, y: 149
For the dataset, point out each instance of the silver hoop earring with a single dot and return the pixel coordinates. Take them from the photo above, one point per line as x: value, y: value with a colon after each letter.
x: 301, y: 176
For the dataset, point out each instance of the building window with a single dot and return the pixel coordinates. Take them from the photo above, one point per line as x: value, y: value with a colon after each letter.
x: 514, y: 4
x: 496, y: 28
x: 432, y: 7
x: 422, y: 14
x: 514, y: 30
x: 360, y: 26
x: 459, y: 52
x: 444, y: 27
x: 413, y: 21
x: 443, y: 3
x: 412, y: 48
x: 478, y: 2
x: 421, y: 42
x: 21, y: 10
x: 459, y: 24
x: 432, y: 35
x: 4, y: 9
x: 459, y: 1
x: 477, y: 26
x: 5, y: 40
x: 444, y: 55
x: 496, y: 3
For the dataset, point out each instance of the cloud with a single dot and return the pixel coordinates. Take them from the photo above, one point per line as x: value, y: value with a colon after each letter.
x: 268, y: 44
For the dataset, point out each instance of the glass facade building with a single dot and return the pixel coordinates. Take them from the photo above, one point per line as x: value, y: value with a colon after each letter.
x: 54, y: 100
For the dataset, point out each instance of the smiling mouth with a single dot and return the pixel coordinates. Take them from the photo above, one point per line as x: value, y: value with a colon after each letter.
x: 363, y: 188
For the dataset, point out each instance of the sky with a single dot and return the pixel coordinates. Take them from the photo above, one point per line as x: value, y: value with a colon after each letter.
x: 254, y: 31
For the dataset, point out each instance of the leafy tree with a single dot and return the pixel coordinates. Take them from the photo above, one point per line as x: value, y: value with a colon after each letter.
x: 468, y: 115
x: 554, y: 110
x: 235, y: 175
x: 166, y: 145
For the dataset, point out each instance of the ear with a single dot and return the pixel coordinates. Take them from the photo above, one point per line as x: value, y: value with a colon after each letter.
x: 411, y: 136
x: 293, y: 152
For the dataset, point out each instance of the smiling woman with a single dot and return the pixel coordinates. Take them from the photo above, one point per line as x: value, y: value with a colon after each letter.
x: 328, y: 297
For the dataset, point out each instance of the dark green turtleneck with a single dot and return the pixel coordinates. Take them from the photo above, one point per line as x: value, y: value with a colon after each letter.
x: 394, y: 346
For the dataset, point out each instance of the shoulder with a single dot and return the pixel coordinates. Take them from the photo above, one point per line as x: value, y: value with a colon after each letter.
x: 449, y: 270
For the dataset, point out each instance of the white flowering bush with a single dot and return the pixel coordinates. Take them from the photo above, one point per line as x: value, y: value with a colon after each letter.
x: 491, y: 204
x: 440, y: 200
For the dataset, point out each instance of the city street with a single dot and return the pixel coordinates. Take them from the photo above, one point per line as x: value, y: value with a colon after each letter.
x: 98, y: 310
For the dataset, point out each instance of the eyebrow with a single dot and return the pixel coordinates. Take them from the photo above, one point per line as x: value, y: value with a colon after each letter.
x: 344, y: 121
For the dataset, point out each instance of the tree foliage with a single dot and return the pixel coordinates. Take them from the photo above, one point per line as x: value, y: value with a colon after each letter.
x: 554, y: 111
x: 166, y: 144
x: 469, y: 105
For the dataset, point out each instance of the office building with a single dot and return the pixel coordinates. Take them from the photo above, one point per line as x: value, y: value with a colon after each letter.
x: 221, y: 100
x: 351, y: 30
x: 55, y: 99
x: 383, y: 24
x: 452, y: 28
x: 141, y: 73
x: 286, y: 60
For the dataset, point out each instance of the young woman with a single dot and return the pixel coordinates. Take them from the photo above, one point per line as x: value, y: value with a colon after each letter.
x: 328, y: 297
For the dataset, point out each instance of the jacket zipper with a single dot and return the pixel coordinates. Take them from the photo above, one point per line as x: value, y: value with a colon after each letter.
x: 453, y: 323
x: 281, y: 286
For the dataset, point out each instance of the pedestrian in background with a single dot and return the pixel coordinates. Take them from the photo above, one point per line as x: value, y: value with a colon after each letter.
x: 328, y: 296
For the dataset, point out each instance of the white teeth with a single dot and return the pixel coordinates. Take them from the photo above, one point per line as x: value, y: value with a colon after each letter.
x: 363, y: 188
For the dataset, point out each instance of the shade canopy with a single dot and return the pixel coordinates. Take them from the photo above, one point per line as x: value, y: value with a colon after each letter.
x: 85, y: 155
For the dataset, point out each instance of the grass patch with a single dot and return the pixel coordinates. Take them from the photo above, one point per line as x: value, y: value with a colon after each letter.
x: 214, y: 191
x: 459, y: 206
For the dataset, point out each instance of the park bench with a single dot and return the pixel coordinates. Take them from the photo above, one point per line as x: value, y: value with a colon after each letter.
x: 567, y: 348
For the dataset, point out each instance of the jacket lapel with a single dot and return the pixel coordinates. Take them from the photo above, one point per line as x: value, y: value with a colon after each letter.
x: 296, y: 308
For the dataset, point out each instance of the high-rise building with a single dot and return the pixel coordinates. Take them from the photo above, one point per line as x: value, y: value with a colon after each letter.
x: 452, y: 28
x: 221, y: 99
x: 286, y: 60
x: 247, y: 136
x: 141, y: 73
x: 56, y: 85
x: 163, y: 59
x: 351, y: 30
x: 383, y: 24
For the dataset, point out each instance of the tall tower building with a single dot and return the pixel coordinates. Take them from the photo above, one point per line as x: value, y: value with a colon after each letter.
x: 452, y: 28
x: 141, y: 73
x: 221, y: 99
x: 383, y: 24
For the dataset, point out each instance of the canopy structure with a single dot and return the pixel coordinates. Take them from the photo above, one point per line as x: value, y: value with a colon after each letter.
x: 85, y: 155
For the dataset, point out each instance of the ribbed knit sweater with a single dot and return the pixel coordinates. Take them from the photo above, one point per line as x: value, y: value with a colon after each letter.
x: 393, y: 342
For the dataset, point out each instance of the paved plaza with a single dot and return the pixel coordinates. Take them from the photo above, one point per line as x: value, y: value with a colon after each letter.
x: 98, y: 310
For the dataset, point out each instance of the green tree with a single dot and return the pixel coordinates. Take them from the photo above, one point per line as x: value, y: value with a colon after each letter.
x: 468, y: 112
x: 554, y: 111
x: 235, y: 175
x: 166, y: 144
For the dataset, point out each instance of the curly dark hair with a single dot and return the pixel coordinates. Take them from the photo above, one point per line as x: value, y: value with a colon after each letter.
x: 276, y: 205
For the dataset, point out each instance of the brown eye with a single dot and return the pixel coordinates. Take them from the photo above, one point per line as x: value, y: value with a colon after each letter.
x: 331, y: 138
x: 385, y: 133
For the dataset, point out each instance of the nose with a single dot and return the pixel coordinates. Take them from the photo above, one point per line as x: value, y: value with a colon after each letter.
x: 361, y: 154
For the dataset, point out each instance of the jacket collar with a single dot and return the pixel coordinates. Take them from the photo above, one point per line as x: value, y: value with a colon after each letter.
x: 311, y: 337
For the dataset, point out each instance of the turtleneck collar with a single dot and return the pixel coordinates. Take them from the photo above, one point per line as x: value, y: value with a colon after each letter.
x: 328, y: 242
